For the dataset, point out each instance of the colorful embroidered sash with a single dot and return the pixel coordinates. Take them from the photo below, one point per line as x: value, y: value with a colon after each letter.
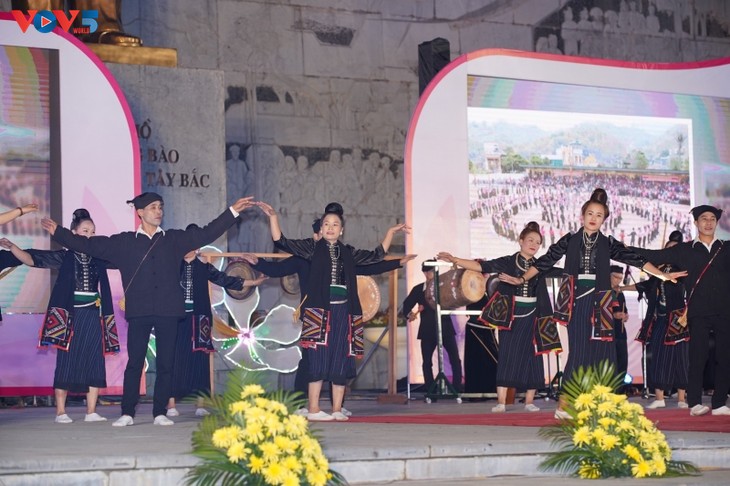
x: 546, y: 338
x: 676, y: 332
x: 498, y: 312
x: 110, y: 334
x: 315, y: 327
x: 356, y: 336
x: 645, y: 331
x: 56, y: 330
x: 602, y: 317
x: 564, y: 300
x: 202, y: 339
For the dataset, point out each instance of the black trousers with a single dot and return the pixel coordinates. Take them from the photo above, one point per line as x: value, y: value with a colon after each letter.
x: 138, y: 337
x: 699, y: 346
x: 428, y: 346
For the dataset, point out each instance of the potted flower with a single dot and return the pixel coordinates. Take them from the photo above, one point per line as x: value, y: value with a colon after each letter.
x: 253, y: 437
x: 608, y: 436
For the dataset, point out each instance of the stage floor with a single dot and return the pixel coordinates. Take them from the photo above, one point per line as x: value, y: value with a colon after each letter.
x: 364, y: 450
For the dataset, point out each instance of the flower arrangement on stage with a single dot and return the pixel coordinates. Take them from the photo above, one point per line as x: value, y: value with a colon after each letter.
x: 254, y: 438
x: 608, y: 436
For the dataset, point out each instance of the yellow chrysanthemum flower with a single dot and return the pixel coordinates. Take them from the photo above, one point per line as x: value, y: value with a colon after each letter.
x: 606, y: 422
x: 254, y: 432
x: 238, y: 407
x: 584, y: 415
x: 582, y: 436
x: 584, y: 401
x: 589, y: 471
x: 625, y: 426
x: 604, y: 408
x: 632, y: 452
x: 641, y: 469
x: 274, y: 473
x: 252, y: 391
x: 609, y: 442
x: 598, y: 434
x: 255, y: 464
x: 273, y: 424
x: 237, y: 452
x: 618, y: 399
x: 269, y: 451
x: 292, y: 463
x: 317, y: 478
x: 225, y: 436
x: 601, y: 390
x: 287, y: 445
x: 290, y: 479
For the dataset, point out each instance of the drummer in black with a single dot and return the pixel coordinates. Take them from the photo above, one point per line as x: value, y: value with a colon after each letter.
x: 707, y: 261
x: 428, y: 330
x: 149, y: 261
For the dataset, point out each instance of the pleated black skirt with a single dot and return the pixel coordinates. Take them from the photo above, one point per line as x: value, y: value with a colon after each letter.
x: 82, y: 365
x: 191, y: 369
x: 518, y: 366
x: 669, y: 364
x: 331, y: 362
x: 582, y: 350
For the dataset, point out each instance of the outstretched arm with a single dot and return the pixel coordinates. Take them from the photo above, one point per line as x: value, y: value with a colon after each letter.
x: 273, y: 220
x: 17, y: 252
x: 392, y: 231
x: 8, y: 216
x: 462, y: 262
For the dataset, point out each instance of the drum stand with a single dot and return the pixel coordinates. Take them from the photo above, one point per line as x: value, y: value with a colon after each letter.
x: 556, y: 383
x: 441, y: 386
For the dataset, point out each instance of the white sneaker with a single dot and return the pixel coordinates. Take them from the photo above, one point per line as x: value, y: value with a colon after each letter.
x: 201, y: 412
x: 162, y: 420
x: 499, y: 408
x: 346, y: 412
x: 320, y: 417
x: 123, y: 421
x: 94, y: 417
x: 340, y: 417
x: 531, y: 407
x: 657, y: 404
x: 698, y: 410
x: 301, y: 411
x: 172, y: 412
x: 721, y: 411
x: 562, y: 415
x: 682, y: 405
x: 63, y: 419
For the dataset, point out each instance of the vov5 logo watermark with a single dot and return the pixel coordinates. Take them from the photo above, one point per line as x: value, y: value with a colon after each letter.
x: 45, y: 21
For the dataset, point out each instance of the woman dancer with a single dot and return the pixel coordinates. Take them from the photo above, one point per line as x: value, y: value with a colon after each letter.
x: 586, y: 288
x: 75, y: 324
x: 667, y: 345
x: 332, y: 315
x: 519, y: 365
x: 191, y: 372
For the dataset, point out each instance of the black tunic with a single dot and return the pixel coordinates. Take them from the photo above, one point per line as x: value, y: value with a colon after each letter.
x: 155, y: 290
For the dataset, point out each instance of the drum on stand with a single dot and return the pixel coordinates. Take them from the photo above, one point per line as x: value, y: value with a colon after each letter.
x: 241, y: 269
x: 369, y: 294
x: 457, y: 288
x: 290, y: 284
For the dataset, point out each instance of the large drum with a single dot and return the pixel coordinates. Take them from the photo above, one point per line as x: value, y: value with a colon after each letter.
x: 369, y: 294
x: 241, y: 269
x: 457, y: 288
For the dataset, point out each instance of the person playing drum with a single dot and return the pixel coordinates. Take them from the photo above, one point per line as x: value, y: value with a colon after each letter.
x: 331, y: 313
x: 585, y: 300
x: 428, y: 330
x: 518, y: 312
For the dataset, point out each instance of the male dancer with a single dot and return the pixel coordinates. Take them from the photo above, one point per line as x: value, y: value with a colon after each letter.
x: 149, y: 261
x: 707, y: 261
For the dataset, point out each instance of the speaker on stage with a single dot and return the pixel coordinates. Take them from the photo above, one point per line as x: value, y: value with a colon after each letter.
x: 432, y: 57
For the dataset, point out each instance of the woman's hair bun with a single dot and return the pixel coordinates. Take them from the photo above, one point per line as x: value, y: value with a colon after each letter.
x: 533, y: 226
x: 334, y: 208
x: 81, y: 214
x: 599, y: 195
x: 676, y: 236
